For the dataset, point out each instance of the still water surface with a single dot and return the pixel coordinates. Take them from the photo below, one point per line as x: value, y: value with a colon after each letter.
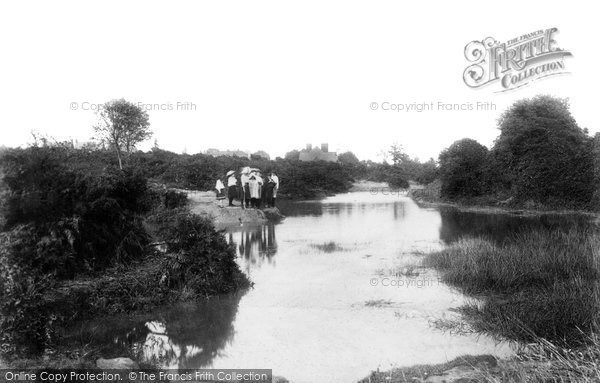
x: 326, y: 313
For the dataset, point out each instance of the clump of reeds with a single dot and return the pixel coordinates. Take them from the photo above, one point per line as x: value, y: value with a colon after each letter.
x: 540, y: 284
x: 327, y: 247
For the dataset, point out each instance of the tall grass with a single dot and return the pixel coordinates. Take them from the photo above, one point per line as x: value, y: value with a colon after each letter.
x: 541, y: 288
x: 537, y: 284
x: 538, y: 258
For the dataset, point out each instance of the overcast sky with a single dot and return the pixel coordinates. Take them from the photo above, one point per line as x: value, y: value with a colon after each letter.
x: 275, y: 75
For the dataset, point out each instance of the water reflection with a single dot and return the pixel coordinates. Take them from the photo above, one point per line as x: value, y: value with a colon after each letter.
x: 315, y: 313
x: 497, y: 227
x: 254, y: 244
x: 299, y: 209
x: 188, y: 335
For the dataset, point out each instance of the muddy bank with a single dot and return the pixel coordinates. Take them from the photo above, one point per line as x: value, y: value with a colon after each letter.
x: 481, y: 368
x: 204, y: 203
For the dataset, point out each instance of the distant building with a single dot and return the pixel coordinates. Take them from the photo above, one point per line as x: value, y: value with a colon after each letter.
x: 232, y: 153
x: 85, y: 144
x: 318, y: 154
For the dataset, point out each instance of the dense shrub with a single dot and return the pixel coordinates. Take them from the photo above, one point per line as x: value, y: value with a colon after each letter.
x: 26, y: 326
x: 67, y: 213
x: 198, y: 257
x: 312, y: 179
x: 71, y: 213
x: 397, y: 178
x: 542, y: 155
x: 541, y: 159
x: 426, y: 172
x: 67, y: 220
x: 462, y: 167
x: 175, y: 199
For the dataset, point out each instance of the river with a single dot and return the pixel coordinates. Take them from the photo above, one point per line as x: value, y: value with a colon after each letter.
x: 338, y: 292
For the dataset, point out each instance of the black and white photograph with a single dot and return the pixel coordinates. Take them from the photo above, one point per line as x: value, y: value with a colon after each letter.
x: 299, y: 192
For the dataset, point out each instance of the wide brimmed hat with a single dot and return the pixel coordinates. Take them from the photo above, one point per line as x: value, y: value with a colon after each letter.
x: 245, y: 170
x: 230, y: 173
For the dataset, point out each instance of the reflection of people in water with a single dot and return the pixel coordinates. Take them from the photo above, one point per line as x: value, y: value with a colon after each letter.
x: 256, y: 244
x: 185, y: 335
x: 190, y: 335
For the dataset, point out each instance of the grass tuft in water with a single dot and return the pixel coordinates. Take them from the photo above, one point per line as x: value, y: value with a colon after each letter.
x: 327, y: 247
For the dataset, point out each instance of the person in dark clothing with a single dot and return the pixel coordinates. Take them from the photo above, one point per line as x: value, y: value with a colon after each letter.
x: 268, y: 194
x: 231, y: 187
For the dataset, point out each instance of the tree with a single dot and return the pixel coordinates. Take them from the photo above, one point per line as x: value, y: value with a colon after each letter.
x: 397, y: 153
x: 260, y: 154
x: 426, y: 172
x: 462, y: 169
x: 348, y: 158
x: 542, y: 155
x: 122, y: 126
x: 294, y: 155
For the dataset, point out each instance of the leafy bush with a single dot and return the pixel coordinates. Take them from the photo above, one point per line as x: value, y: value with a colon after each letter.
x: 68, y: 220
x: 396, y: 178
x: 175, y: 199
x: 71, y: 213
x: 25, y: 320
x: 542, y: 154
x: 541, y: 159
x: 462, y: 167
x: 198, y: 257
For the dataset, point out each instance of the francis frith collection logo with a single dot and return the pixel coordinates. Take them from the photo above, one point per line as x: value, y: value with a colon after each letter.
x: 514, y: 63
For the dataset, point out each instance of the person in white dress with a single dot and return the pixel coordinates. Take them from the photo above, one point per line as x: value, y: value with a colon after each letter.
x: 275, y: 179
x: 220, y: 192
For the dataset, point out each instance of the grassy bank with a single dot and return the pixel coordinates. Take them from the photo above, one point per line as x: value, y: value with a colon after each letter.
x: 537, y: 284
x: 541, y: 288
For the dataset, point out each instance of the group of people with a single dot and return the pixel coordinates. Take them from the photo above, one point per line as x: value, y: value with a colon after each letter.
x: 251, y: 189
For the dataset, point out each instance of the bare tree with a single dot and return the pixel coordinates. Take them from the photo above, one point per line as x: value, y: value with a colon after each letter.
x: 122, y: 125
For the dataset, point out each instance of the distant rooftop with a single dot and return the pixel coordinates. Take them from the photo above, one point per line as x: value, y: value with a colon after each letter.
x: 318, y: 153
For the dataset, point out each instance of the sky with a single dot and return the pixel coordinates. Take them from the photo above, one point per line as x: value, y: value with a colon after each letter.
x: 276, y: 75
